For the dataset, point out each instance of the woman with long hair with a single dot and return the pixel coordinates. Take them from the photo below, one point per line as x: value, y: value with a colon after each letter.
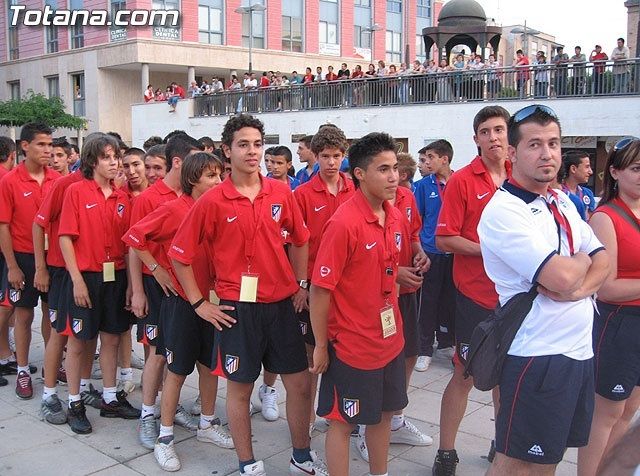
x: 616, y: 328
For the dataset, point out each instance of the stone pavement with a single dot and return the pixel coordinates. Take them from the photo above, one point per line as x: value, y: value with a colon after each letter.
x: 29, y: 446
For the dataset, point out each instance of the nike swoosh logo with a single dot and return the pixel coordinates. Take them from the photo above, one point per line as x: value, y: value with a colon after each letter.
x: 26, y: 194
x: 91, y: 206
x: 230, y: 219
x: 319, y: 208
x: 370, y: 245
x: 480, y: 197
x: 312, y: 472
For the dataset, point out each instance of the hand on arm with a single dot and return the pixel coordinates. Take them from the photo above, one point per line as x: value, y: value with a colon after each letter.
x: 457, y: 245
x: 80, y: 291
x: 160, y: 274
x: 15, y: 274
x: 299, y: 256
x: 139, y: 304
x: 320, y: 301
x: 593, y: 279
x: 41, y: 279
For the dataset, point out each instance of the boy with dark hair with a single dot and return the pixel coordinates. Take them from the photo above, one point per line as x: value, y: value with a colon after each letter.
x: 7, y: 155
x: 280, y: 163
x: 259, y: 289
x: 437, y: 299
x: 150, y: 283
x: 306, y: 157
x: 60, y: 156
x: 422, y: 159
x: 467, y: 193
x: 364, y: 377
x: 186, y: 339
x: 576, y: 170
x: 94, y: 216
x: 151, y: 141
x: 21, y: 193
x: 208, y: 144
x: 155, y: 163
x: 134, y: 171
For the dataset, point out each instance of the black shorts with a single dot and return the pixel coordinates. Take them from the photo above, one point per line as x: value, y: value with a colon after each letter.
x: 408, y: 304
x: 546, y: 405
x: 437, y: 303
x: 468, y: 315
x: 107, y: 313
x: 304, y: 320
x: 147, y: 331
x: 27, y: 297
x: 57, y: 301
x: 616, y: 343
x: 358, y: 396
x: 184, y: 337
x: 265, y: 334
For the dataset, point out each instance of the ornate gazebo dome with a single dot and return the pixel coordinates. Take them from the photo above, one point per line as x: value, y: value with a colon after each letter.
x: 462, y: 12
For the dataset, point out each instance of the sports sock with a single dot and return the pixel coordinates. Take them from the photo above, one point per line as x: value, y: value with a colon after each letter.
x: 302, y: 454
x: 84, y: 384
x: 206, y: 421
x: 244, y: 463
x: 165, y: 431
x: 109, y: 394
x: 396, y: 422
x: 48, y: 391
x: 23, y: 368
x: 126, y: 374
x: 146, y: 411
x: 73, y: 398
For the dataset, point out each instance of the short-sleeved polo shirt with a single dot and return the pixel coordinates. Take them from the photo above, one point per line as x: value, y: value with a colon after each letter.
x: 20, y: 197
x: 95, y: 224
x: 429, y: 192
x: 48, y: 216
x: 355, y: 253
x: 583, y: 199
x: 317, y: 205
x: 518, y: 236
x: 468, y: 192
x: 411, y: 226
x: 242, y: 237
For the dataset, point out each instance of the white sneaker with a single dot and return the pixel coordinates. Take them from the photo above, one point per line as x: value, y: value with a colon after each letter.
x: 315, y: 466
x: 127, y: 385
x: 269, y: 398
x: 446, y: 353
x: 148, y: 432
x: 96, y: 370
x: 254, y: 469
x: 196, y: 408
x: 408, y: 434
x: 361, y: 446
x: 422, y: 364
x: 215, y: 434
x: 185, y: 419
x: 166, y: 456
x: 136, y: 362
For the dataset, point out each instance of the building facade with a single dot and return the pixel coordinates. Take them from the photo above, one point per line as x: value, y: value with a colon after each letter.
x: 100, y: 71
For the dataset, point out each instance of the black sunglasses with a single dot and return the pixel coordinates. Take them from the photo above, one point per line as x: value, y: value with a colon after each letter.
x: 528, y: 111
x: 624, y: 143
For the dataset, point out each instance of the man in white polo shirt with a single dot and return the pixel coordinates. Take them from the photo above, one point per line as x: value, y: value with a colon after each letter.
x: 529, y: 234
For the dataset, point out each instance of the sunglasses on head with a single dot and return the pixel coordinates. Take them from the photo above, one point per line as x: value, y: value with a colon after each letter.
x: 624, y: 143
x: 528, y: 111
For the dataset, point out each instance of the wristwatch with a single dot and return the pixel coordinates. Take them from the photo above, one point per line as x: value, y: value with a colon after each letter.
x: 304, y: 284
x: 153, y: 267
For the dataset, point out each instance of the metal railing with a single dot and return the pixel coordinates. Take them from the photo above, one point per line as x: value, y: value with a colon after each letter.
x: 488, y: 84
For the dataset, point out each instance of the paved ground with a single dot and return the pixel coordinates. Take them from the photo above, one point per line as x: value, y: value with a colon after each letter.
x: 29, y: 446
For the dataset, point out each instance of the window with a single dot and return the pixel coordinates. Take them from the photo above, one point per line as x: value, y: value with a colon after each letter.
x: 362, y: 37
x: 117, y: 32
x: 329, y: 20
x: 393, y: 46
x: 421, y: 54
x: 362, y: 3
x: 51, y: 31
x: 165, y: 31
x: 77, y: 31
x: 210, y: 21
x: 394, y: 6
x: 534, y: 47
x: 77, y: 84
x: 14, y: 90
x: 292, y: 25
x: 257, y: 19
x: 424, y: 8
x: 53, y: 86
x: 328, y: 33
x: 12, y: 32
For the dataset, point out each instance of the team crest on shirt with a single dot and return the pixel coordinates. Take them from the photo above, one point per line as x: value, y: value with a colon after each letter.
x: 14, y: 295
x: 53, y: 315
x: 464, y: 351
x: 120, y: 210
x: 398, y: 236
x: 231, y: 363
x: 303, y: 328
x: 325, y: 271
x: 76, y: 325
x: 351, y: 406
x: 586, y: 199
x: 276, y: 212
x: 151, y: 331
x: 169, y: 355
x: 409, y: 213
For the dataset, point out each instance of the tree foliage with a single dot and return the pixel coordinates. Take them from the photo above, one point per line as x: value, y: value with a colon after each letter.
x: 38, y: 108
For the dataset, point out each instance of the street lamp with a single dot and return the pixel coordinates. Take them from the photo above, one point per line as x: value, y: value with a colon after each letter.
x: 256, y: 7
x: 370, y: 29
x: 525, y: 32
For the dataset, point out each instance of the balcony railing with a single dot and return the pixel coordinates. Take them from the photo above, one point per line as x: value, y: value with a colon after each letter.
x: 489, y: 84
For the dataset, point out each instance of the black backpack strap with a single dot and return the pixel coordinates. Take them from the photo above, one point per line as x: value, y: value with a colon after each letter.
x: 622, y: 213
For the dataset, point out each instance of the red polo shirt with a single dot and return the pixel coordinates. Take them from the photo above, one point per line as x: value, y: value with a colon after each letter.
x: 412, y: 224
x: 3, y: 171
x: 244, y: 234
x: 95, y: 224
x: 317, y: 205
x: 159, y: 227
x: 20, y: 197
x: 48, y: 216
x: 355, y: 253
x: 145, y: 203
x: 468, y: 192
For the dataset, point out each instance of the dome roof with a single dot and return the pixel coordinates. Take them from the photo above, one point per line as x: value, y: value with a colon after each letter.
x: 456, y: 12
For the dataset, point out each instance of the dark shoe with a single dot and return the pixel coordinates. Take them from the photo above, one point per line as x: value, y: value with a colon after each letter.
x: 77, y: 418
x: 92, y: 397
x: 52, y: 411
x: 3, y: 382
x: 492, y: 452
x: 445, y: 463
x: 24, y: 388
x: 32, y: 369
x: 119, y: 408
x: 10, y: 368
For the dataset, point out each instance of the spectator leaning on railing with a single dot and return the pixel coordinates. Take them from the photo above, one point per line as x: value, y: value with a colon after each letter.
x: 620, y: 55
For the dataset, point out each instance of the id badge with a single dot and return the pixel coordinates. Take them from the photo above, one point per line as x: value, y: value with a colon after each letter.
x: 108, y: 272
x: 213, y: 297
x: 248, y: 287
x: 388, y: 320
x: 46, y: 242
